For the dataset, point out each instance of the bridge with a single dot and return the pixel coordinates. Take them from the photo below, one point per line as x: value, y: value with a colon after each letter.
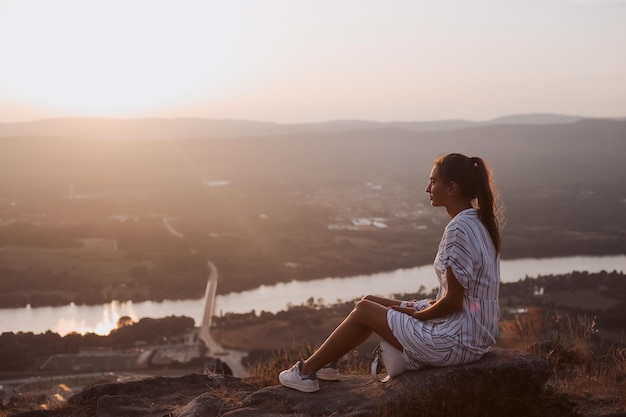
x: 232, y: 358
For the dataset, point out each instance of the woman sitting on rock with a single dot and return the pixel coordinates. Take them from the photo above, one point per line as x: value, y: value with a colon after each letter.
x: 459, y: 326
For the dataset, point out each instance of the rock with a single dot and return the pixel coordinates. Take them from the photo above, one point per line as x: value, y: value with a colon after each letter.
x: 205, y: 405
x: 34, y: 413
x: 125, y: 405
x: 186, y: 396
x: 503, y: 382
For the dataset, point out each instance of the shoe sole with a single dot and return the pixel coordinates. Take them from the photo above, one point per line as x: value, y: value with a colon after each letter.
x: 299, y: 387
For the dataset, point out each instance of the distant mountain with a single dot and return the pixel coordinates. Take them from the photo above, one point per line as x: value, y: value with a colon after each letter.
x: 192, y: 128
x: 139, y: 129
x: 521, y: 119
x: 587, y: 151
x: 535, y: 119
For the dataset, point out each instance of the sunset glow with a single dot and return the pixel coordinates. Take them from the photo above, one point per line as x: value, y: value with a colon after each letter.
x: 113, y: 58
x: 285, y: 61
x: 110, y: 316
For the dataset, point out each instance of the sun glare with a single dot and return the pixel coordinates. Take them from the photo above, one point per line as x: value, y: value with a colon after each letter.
x: 108, y: 322
x: 113, y: 57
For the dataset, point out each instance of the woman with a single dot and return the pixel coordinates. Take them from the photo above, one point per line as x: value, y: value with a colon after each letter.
x: 460, y: 325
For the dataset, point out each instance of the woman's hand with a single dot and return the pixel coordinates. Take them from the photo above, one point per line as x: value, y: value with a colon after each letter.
x: 406, y: 310
x: 451, y: 302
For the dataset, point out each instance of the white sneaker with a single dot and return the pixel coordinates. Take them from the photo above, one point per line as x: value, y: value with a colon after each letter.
x: 329, y: 372
x: 292, y: 378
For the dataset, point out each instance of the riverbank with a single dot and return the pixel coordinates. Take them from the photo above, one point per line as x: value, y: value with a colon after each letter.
x: 103, y: 318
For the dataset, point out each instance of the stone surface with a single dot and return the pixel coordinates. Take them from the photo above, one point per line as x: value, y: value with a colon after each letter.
x: 126, y: 405
x: 504, y: 382
x: 204, y: 405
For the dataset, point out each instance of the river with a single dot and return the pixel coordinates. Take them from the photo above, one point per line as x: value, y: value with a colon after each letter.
x: 102, y: 318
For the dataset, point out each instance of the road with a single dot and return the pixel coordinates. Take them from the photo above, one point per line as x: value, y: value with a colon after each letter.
x: 231, y: 358
x: 170, y: 229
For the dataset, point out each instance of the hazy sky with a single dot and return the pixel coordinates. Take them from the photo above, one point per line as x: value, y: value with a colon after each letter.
x: 311, y: 60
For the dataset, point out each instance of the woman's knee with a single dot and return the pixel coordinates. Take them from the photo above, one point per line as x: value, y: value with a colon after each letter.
x: 358, y: 309
x: 364, y: 301
x: 371, y: 315
x: 367, y: 308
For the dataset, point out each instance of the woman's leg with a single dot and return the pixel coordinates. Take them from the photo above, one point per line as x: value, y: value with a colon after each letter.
x: 387, y: 302
x: 367, y: 316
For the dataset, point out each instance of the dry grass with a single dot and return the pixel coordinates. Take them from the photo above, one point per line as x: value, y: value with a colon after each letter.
x: 583, y: 366
x: 264, y: 373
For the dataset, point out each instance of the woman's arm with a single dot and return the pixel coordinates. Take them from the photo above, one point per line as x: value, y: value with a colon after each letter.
x: 451, y: 302
x: 387, y: 302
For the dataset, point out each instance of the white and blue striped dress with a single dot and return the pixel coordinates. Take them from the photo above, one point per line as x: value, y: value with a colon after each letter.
x: 463, y: 336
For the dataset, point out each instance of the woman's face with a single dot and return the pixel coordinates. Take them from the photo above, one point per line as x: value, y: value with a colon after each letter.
x: 437, y: 188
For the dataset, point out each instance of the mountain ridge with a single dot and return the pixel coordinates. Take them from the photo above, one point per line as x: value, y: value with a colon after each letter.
x: 139, y: 129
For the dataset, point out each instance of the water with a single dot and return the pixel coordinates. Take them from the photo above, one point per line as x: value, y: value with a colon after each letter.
x: 102, y: 318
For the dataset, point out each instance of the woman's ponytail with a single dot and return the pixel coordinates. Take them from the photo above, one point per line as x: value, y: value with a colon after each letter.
x: 490, y: 209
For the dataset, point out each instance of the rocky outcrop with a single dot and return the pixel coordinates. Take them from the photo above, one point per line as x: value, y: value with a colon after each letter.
x: 503, y: 382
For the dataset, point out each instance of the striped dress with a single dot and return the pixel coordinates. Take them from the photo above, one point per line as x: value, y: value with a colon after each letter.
x: 463, y: 336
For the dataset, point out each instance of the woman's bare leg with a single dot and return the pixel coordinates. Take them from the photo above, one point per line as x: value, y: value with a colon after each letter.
x: 387, y: 302
x: 367, y: 316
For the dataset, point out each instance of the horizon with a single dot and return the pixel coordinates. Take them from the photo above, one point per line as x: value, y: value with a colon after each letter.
x: 354, y: 120
x: 288, y: 63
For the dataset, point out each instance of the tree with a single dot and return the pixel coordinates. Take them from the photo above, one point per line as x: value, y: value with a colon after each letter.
x: 124, y: 321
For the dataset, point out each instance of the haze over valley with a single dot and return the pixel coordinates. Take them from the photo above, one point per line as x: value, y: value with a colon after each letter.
x: 88, y: 215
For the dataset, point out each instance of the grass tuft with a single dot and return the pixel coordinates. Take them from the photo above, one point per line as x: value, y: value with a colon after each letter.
x: 583, y: 366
